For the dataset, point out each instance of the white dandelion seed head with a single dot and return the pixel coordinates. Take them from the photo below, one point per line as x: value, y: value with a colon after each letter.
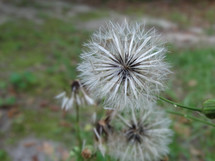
x: 78, y: 96
x: 123, y: 62
x: 143, y: 135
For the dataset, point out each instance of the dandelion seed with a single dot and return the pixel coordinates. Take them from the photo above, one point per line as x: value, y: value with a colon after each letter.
x: 143, y: 135
x: 100, y: 144
x: 78, y: 96
x: 123, y: 63
x: 102, y: 131
x: 104, y: 128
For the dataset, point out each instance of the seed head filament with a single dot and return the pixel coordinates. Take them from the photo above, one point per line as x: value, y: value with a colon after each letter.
x: 135, y: 133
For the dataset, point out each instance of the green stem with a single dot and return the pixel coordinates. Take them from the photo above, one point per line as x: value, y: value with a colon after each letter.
x: 180, y: 105
x: 78, y: 132
x: 191, y: 118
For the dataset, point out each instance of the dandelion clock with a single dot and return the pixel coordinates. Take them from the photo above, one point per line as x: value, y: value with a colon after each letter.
x: 123, y: 63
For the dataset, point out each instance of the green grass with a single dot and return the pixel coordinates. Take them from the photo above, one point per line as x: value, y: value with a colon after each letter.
x: 181, y: 19
x: 92, y: 15
x: 194, y: 71
x: 193, y: 83
x: 42, y: 123
x: 25, y: 3
x: 50, y: 52
x: 209, y: 15
x: 4, y: 156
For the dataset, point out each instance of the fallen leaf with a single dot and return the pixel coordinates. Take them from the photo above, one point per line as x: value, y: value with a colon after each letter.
x: 12, y: 112
x: 29, y: 144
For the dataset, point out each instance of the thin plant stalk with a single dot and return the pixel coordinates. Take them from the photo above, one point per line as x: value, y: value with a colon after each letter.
x: 78, y: 131
x: 191, y: 118
x: 180, y: 105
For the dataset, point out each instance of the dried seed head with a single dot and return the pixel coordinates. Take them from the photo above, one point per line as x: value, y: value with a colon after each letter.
x: 141, y: 135
x: 165, y: 159
x: 78, y: 96
x: 86, y: 153
x: 75, y: 86
x: 134, y: 133
x: 104, y: 128
x: 123, y: 63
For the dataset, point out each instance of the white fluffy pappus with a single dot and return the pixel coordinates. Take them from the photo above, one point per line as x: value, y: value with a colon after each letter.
x: 78, y: 97
x: 122, y: 63
x: 143, y: 135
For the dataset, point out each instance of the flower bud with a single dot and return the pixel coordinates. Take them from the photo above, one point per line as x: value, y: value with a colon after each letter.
x: 209, y: 108
x: 86, y: 153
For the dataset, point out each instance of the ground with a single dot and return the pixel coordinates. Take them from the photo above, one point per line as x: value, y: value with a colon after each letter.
x: 40, y: 44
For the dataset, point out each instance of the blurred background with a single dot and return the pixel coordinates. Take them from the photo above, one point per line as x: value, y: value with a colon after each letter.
x: 40, y: 44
